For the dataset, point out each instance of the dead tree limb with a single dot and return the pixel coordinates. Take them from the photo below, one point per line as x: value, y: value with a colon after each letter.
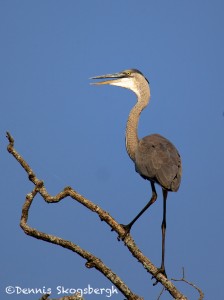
x: 201, y: 294
x: 72, y: 297
x: 91, y: 260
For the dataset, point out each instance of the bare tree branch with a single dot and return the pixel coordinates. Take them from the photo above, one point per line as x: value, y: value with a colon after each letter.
x: 160, y: 294
x: 201, y: 294
x: 92, y: 261
x: 76, y: 296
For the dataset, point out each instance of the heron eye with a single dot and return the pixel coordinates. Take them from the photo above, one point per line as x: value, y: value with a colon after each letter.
x: 128, y: 73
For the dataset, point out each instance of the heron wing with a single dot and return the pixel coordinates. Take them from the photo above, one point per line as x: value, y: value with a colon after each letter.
x: 157, y: 159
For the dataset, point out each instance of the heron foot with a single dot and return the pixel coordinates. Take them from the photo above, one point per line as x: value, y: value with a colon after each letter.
x: 127, y: 229
x: 159, y: 270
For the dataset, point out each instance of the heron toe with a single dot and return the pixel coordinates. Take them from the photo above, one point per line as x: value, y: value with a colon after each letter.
x: 159, y: 270
x: 127, y: 229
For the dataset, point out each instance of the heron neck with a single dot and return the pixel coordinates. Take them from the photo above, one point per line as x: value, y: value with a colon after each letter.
x: 132, y: 123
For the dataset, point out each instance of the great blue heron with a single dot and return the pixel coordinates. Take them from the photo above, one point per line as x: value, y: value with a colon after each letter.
x: 156, y: 158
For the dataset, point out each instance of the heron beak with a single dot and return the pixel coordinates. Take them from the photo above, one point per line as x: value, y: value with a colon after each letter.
x: 114, y: 77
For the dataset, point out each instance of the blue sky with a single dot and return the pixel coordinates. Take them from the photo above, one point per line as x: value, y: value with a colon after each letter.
x: 72, y: 133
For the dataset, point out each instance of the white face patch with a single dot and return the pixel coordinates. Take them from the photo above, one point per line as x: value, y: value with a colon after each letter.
x: 123, y: 82
x: 128, y: 83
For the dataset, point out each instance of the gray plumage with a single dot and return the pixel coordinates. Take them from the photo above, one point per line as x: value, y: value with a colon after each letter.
x: 156, y: 158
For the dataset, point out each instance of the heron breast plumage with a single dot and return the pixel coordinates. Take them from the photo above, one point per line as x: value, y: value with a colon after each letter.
x: 158, y: 160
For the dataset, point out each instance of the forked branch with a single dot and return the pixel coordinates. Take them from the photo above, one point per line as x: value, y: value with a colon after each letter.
x: 201, y: 294
x: 91, y: 260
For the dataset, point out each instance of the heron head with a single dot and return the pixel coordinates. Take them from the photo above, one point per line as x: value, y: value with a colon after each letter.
x: 130, y: 79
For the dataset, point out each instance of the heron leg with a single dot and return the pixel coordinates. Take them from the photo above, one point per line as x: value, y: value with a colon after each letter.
x: 163, y: 227
x: 152, y: 200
